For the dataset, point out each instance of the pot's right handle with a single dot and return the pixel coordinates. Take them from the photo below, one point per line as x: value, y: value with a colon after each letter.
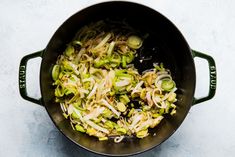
x: 22, y: 77
x: 212, y: 73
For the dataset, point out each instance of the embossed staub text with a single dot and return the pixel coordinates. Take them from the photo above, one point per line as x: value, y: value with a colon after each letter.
x: 212, y: 77
x: 22, y: 74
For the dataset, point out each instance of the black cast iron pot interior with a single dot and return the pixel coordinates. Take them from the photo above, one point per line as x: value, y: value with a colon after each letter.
x: 165, y: 44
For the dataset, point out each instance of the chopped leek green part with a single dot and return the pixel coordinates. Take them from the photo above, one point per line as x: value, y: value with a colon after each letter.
x: 159, y: 67
x: 74, y: 115
x: 91, y: 131
x: 142, y: 134
x: 168, y: 106
x: 55, y: 72
x: 109, y: 124
x: 121, y: 107
x: 79, y: 128
x: 107, y: 113
x: 131, y: 112
x: 155, y: 122
x: 173, y: 112
x: 143, y: 94
x: 103, y: 138
x: 59, y: 92
x: 134, y: 42
x: 132, y: 105
x: 155, y: 115
x: 171, y: 97
x: 167, y: 85
x: 146, y: 108
x: 65, y: 115
x: 161, y: 111
x: 69, y: 50
x: 100, y: 63
x: 124, y: 61
x: 98, y: 120
x: 76, y: 42
x: 86, y: 76
x: 69, y: 66
x: 130, y: 57
x: 115, y: 60
x: 124, y: 99
x: 121, y: 130
x: 112, y: 93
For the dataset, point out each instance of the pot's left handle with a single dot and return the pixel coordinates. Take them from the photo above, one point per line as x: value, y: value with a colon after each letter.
x: 22, y: 77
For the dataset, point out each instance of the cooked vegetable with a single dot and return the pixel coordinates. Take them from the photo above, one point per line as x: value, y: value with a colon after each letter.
x: 134, y: 42
x: 55, y: 72
x: 101, y: 93
x: 121, y: 107
x: 142, y: 134
x: 103, y: 138
x: 79, y: 128
x: 167, y: 84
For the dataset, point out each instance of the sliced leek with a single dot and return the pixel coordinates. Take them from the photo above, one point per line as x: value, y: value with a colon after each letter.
x: 102, y: 94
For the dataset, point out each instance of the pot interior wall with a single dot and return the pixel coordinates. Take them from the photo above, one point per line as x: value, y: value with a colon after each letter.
x: 165, y: 44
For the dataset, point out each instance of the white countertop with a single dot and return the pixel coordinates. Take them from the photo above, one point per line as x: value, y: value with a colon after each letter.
x: 27, y: 26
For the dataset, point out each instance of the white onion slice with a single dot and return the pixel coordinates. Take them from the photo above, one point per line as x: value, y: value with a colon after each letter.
x: 168, y: 94
x: 110, y: 107
x: 144, y: 124
x: 136, y: 119
x: 63, y: 108
x: 118, y: 139
x: 70, y: 109
x: 78, y: 113
x: 94, y: 114
x: 161, y: 77
x: 137, y: 87
x: 97, y: 127
x: 104, y: 41
x: 92, y: 92
x: 122, y: 83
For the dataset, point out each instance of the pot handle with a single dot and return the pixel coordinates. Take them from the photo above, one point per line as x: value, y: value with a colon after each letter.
x: 22, y: 76
x: 212, y: 73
